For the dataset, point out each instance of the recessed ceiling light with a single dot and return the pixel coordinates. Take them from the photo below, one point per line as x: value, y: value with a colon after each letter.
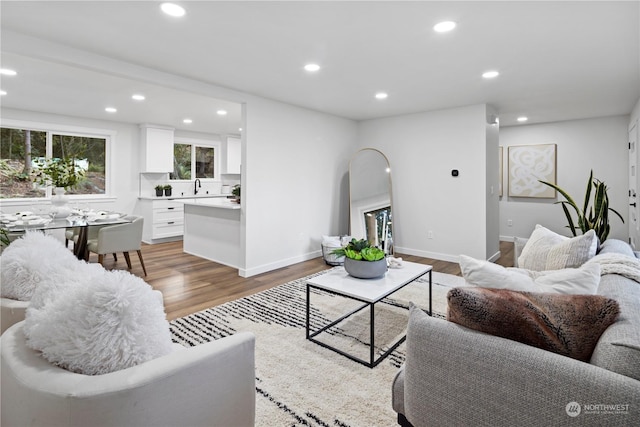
x: 110, y: 110
x: 187, y: 121
x: 381, y: 95
x: 522, y: 119
x: 443, y: 27
x: 3, y: 92
x: 312, y: 67
x: 7, y: 72
x: 490, y: 74
x: 221, y: 112
x: 240, y: 129
x: 138, y: 97
x: 172, y: 9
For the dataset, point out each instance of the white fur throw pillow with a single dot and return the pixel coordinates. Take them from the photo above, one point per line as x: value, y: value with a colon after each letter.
x: 51, y: 286
x: 485, y: 274
x: 546, y: 250
x: 31, y: 259
x: 111, y: 323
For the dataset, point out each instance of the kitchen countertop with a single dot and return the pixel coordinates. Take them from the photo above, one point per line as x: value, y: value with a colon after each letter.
x: 215, y: 203
x: 203, y: 196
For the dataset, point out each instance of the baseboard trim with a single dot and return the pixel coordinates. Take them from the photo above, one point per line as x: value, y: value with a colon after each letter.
x: 439, y: 256
x: 427, y: 254
x: 248, y: 272
x: 495, y: 257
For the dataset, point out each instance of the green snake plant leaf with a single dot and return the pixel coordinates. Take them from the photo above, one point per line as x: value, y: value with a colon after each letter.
x: 593, y: 216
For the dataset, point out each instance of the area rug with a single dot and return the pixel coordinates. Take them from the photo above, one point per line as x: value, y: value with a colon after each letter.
x: 299, y: 383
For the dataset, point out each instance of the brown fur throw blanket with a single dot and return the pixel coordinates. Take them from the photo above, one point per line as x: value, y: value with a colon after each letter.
x: 565, y: 324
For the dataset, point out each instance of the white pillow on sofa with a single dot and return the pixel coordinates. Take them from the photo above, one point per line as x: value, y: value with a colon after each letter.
x: 485, y: 274
x: 31, y: 259
x: 546, y: 250
x: 113, y: 322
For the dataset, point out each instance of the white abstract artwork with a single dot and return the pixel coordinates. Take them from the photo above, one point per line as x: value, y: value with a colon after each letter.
x: 527, y: 165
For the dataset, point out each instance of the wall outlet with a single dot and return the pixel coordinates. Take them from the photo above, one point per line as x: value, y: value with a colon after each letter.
x: 509, y: 223
x: 429, y: 234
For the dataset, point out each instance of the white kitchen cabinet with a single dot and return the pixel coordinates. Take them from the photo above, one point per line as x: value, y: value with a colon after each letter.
x: 163, y: 219
x: 157, y: 148
x: 234, y: 152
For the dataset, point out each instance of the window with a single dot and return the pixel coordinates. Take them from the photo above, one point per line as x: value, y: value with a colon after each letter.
x: 21, y: 150
x: 194, y: 160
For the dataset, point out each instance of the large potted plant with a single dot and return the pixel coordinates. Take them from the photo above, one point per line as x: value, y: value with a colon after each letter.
x: 362, y: 260
x: 594, y: 217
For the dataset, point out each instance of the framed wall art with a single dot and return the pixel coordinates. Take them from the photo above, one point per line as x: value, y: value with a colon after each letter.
x: 527, y: 165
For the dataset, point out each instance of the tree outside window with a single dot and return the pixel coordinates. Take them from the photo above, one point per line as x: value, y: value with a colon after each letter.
x: 191, y: 160
x: 21, y: 150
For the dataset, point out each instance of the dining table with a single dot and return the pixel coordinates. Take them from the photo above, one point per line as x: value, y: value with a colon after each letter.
x: 25, y: 221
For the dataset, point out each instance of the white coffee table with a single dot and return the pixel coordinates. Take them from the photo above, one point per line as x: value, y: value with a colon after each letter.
x: 368, y: 291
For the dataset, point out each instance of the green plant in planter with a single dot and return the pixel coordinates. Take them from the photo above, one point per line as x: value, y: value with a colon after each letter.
x: 595, y: 217
x: 58, y: 172
x: 167, y: 190
x: 159, y: 190
x: 360, y: 250
x: 236, y: 190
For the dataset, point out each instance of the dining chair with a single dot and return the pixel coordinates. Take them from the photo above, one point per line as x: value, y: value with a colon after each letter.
x: 70, y: 233
x: 119, y: 238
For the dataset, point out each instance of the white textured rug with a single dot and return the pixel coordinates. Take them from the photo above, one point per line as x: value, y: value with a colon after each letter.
x: 300, y: 383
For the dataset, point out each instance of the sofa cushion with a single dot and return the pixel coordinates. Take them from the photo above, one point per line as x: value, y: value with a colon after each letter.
x: 113, y: 322
x: 33, y: 258
x: 618, y: 349
x: 546, y: 250
x: 616, y: 246
x: 565, y: 324
x: 583, y: 280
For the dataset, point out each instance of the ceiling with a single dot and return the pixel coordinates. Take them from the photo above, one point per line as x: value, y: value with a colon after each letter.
x: 557, y: 60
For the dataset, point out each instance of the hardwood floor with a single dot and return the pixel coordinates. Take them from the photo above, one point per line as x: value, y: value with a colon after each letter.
x: 190, y: 284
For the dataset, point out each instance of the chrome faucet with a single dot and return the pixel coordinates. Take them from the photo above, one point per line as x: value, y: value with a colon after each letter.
x: 196, y: 185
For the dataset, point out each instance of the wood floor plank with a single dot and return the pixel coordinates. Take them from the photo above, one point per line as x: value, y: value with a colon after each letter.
x: 190, y: 284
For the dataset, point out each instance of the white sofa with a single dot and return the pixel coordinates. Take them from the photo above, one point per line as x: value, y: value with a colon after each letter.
x: 212, y: 384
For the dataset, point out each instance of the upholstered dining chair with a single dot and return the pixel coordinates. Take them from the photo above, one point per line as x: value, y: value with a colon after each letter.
x: 119, y: 238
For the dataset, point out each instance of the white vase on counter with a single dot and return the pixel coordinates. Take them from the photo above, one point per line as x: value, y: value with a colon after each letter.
x: 60, y: 203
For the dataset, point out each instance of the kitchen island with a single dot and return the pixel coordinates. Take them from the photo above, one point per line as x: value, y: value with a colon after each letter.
x: 212, y: 230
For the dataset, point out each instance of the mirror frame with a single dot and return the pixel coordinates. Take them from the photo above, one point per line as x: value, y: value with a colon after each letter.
x: 353, y: 225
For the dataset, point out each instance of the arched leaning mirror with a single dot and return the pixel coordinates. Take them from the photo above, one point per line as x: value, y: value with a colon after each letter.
x: 370, y: 198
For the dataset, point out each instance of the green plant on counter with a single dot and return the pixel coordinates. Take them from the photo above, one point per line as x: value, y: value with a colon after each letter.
x: 159, y: 187
x: 595, y: 217
x: 236, y: 190
x: 166, y: 187
x: 360, y: 250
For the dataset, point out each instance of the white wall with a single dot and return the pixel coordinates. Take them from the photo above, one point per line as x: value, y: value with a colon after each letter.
x: 422, y: 149
x: 599, y: 144
x: 293, y: 182
x: 634, y: 127
x: 492, y: 131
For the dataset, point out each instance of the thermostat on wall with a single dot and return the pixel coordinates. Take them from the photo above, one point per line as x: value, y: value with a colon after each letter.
x: 454, y: 172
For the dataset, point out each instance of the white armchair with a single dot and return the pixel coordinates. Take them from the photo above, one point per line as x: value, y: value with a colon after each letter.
x: 211, y: 384
x: 11, y: 312
x: 119, y: 238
